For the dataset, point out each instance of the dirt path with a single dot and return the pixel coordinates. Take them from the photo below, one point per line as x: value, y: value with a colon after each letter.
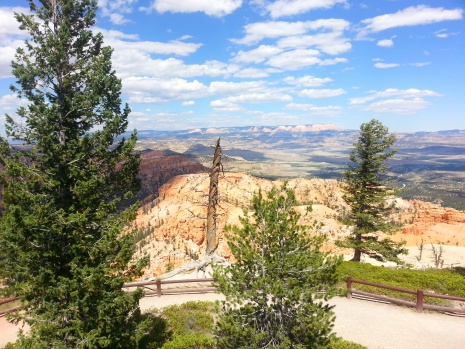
x: 375, y: 325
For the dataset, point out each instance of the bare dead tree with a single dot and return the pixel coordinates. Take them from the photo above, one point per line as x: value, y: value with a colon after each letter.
x: 213, y: 200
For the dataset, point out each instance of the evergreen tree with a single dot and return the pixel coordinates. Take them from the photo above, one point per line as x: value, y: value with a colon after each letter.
x: 62, y: 246
x: 366, y: 190
x: 271, y: 290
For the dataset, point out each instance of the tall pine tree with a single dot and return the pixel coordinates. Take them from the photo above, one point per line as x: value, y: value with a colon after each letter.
x: 275, y: 290
x: 366, y: 190
x: 62, y: 247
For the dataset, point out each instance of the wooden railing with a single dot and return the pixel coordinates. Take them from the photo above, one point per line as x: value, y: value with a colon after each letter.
x: 156, y: 288
x: 6, y: 301
x: 420, y: 304
x: 159, y: 291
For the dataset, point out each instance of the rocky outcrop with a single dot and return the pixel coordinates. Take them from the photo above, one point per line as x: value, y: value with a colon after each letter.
x: 433, y: 223
x: 157, y: 168
x: 173, y: 225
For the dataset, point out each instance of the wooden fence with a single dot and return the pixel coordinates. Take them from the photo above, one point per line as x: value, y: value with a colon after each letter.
x: 420, y: 304
x: 157, y: 288
x: 6, y: 301
x: 159, y: 291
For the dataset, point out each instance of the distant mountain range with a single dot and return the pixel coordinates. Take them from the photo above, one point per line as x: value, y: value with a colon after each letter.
x: 430, y: 166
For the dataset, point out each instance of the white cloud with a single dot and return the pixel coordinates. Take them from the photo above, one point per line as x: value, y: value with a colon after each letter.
x: 282, y: 8
x: 326, y: 110
x: 233, y: 103
x: 252, y: 73
x: 217, y: 8
x: 307, y: 81
x: 259, y: 31
x: 443, y: 34
x: 398, y: 106
x: 188, y: 103
x: 332, y: 43
x: 415, y: 15
x: 321, y: 93
x: 11, y: 37
x: 381, y: 65
x: 393, y: 93
x: 155, y: 90
x: 116, y: 10
x: 175, y: 47
x: 11, y: 102
x: 257, y: 55
x: 385, y: 43
x: 420, y: 64
x: 237, y: 88
x: 298, y: 59
x: 8, y: 24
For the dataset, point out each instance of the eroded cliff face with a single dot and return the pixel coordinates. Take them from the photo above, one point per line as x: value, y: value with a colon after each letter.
x: 172, y: 227
x: 435, y: 224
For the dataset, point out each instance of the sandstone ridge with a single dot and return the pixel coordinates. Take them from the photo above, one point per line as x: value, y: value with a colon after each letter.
x: 172, y: 227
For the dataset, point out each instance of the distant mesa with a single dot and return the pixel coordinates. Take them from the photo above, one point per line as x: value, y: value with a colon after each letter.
x: 267, y: 129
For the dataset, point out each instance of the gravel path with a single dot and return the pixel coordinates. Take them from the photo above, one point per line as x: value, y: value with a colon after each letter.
x: 375, y: 325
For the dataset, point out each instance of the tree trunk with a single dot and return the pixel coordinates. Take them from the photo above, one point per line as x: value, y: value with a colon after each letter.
x: 213, y: 200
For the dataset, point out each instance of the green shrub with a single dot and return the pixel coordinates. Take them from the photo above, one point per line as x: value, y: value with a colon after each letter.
x: 193, y: 340
x: 440, y: 281
x: 339, y: 343
x: 190, y: 317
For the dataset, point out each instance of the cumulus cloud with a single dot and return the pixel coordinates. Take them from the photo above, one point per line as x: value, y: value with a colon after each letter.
x: 11, y: 102
x: 280, y: 8
x: 188, y: 103
x: 394, y: 92
x: 11, y: 37
x: 382, y: 65
x: 395, y: 101
x: 321, y: 93
x: 332, y: 43
x: 256, y: 32
x: 411, y: 16
x: 398, y: 106
x: 385, y: 43
x: 329, y: 110
x: 233, y: 103
x: 116, y: 10
x: 237, y: 88
x: 155, y: 90
x: 298, y: 59
x: 306, y: 81
x: 257, y: 55
x: 216, y: 8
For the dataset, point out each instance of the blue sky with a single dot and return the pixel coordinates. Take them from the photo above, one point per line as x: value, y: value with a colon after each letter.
x: 189, y: 64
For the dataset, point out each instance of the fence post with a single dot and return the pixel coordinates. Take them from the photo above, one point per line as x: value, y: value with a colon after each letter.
x: 159, y: 288
x: 420, y: 298
x: 349, y: 287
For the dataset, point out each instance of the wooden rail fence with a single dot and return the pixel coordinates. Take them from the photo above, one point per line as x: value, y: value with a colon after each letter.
x: 6, y: 301
x: 420, y: 304
x: 159, y: 291
x: 156, y: 288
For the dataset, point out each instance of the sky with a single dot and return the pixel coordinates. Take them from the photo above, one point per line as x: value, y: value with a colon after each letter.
x: 187, y: 64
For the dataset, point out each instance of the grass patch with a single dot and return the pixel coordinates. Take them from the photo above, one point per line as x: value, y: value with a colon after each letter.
x: 441, y: 281
x: 191, y: 326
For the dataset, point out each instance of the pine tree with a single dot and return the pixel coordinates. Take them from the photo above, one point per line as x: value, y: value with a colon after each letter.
x: 62, y: 246
x: 271, y: 299
x: 366, y: 190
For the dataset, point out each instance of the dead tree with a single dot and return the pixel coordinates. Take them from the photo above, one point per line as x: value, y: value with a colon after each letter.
x: 213, y: 200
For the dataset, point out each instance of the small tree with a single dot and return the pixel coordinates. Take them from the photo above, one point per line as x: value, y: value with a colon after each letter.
x: 271, y: 291
x: 62, y: 247
x: 366, y: 189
